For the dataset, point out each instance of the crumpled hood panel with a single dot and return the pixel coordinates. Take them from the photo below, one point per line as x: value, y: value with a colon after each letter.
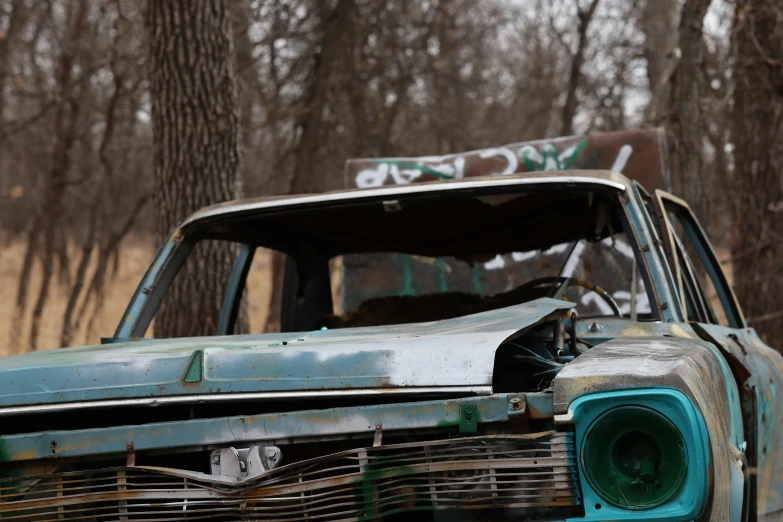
x: 454, y: 352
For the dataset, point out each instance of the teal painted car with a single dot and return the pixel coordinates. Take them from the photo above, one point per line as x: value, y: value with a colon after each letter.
x: 539, y: 346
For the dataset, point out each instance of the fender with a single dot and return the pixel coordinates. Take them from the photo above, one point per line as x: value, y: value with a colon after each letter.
x: 695, y: 368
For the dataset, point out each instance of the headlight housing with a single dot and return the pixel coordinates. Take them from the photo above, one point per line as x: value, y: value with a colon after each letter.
x: 634, y: 457
x: 640, y: 451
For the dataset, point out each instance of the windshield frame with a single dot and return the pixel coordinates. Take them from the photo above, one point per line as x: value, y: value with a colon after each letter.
x: 174, y: 252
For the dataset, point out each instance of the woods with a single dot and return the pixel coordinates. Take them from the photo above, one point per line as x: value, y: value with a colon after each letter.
x: 757, y: 236
x: 118, y: 119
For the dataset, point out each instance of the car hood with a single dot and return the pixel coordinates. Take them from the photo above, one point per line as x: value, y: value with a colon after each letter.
x: 454, y: 353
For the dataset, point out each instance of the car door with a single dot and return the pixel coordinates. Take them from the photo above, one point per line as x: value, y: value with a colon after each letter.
x: 708, y: 303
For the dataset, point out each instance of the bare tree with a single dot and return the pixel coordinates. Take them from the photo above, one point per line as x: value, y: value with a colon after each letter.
x: 65, y: 120
x: 585, y: 16
x: 659, y: 23
x: 758, y: 137
x: 689, y: 178
x: 196, y: 140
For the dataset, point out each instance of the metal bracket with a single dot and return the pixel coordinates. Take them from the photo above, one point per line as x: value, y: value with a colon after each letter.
x: 468, y: 419
x: 517, y: 405
x: 378, y: 440
x: 130, y: 456
x: 244, y: 462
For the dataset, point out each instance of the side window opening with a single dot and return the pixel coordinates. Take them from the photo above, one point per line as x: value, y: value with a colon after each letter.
x: 694, y: 302
x: 703, y: 287
x: 686, y: 298
x: 248, y: 313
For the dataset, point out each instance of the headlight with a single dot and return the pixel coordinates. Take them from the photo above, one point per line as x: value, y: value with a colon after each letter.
x: 634, y: 457
x: 640, y: 449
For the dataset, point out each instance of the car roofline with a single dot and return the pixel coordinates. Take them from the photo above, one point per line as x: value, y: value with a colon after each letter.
x: 602, y: 178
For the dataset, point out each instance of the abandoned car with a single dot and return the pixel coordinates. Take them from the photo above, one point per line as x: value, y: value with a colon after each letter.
x: 547, y: 345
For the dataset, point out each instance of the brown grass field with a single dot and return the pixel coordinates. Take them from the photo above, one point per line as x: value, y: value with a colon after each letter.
x: 135, y: 257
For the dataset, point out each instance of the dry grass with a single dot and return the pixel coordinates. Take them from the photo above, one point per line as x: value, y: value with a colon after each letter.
x: 135, y: 257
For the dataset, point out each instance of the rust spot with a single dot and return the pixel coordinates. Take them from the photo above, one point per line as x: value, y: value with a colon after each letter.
x: 25, y: 455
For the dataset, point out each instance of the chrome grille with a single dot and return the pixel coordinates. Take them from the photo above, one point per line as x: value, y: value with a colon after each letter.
x: 522, y: 474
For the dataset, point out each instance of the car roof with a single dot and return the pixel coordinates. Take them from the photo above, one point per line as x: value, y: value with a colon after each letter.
x: 602, y: 178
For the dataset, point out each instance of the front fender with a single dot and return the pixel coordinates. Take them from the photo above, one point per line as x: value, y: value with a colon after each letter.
x: 694, y: 368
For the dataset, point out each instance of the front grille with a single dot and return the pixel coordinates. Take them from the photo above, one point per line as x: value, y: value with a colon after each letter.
x: 519, y: 475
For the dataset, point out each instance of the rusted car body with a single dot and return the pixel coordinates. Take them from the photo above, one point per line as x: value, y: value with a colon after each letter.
x: 625, y: 385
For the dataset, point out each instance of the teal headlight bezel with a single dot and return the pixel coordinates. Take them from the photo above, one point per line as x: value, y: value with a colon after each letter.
x: 690, y: 499
x: 605, y: 448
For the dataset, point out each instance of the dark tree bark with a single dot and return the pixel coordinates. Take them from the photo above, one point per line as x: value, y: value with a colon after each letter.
x: 758, y: 172
x: 14, y: 24
x: 309, y: 174
x: 577, y: 60
x: 688, y: 175
x: 196, y: 137
x: 659, y: 23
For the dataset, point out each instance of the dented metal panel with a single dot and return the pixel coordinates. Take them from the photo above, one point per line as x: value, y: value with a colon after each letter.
x: 693, y: 367
x: 762, y: 380
x: 459, y: 352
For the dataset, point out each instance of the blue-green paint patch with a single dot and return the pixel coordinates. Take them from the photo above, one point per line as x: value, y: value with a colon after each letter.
x: 407, y: 276
x: 476, y: 279
x: 443, y: 275
x: 195, y: 368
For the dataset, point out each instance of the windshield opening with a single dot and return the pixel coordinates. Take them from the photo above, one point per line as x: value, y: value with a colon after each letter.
x: 427, y: 258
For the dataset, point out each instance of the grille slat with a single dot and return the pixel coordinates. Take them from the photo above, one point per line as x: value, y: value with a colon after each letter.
x: 510, y: 472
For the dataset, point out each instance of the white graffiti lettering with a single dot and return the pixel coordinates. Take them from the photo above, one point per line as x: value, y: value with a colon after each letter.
x: 496, y: 263
x: 511, y: 160
x: 547, y: 158
x: 622, y: 158
x: 403, y: 173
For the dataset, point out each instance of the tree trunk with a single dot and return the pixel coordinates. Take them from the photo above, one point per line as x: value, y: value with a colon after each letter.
x: 196, y: 137
x: 688, y: 176
x: 659, y: 23
x: 575, y: 77
x: 758, y: 138
x: 309, y: 173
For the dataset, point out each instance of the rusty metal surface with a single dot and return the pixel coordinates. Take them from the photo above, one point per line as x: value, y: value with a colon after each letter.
x: 528, y: 473
x: 460, y: 352
x: 693, y: 367
x: 763, y: 381
x: 638, y: 154
x: 598, y: 178
x: 275, y: 428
